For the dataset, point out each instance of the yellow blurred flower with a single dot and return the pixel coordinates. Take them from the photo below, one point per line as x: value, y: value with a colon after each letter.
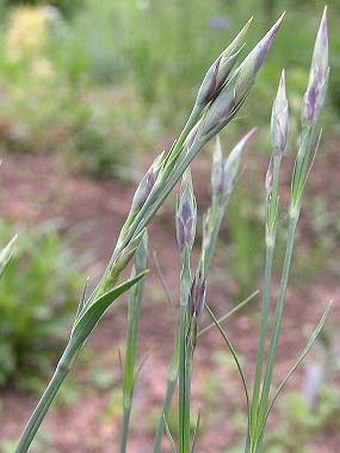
x: 42, y: 68
x: 27, y: 35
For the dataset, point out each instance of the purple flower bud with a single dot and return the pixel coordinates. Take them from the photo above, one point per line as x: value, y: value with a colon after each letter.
x: 249, y: 68
x: 197, y: 295
x: 217, y: 174
x: 234, y: 92
x: 318, y: 78
x: 186, y: 215
x: 279, y: 120
x: 193, y: 134
x: 232, y: 163
x: 219, y: 71
x: 145, y: 186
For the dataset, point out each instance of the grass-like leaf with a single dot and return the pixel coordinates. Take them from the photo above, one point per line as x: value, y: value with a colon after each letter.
x: 307, y: 348
x: 90, y: 318
x: 232, y: 350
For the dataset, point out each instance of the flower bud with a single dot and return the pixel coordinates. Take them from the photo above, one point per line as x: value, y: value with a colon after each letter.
x: 225, y: 171
x: 318, y: 78
x: 234, y: 92
x: 145, y: 186
x: 233, y: 162
x: 219, y: 71
x: 279, y: 119
x: 217, y: 174
x: 186, y: 215
x: 197, y: 295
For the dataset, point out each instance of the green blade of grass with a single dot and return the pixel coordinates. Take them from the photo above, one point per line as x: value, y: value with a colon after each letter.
x: 305, y: 351
x: 233, y: 352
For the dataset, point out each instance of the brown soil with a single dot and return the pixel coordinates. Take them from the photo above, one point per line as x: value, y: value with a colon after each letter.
x: 34, y: 190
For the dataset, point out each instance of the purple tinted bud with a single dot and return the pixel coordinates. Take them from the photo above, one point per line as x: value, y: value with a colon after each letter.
x: 219, y: 71
x: 314, y: 97
x: 217, y: 174
x: 197, y: 294
x: 249, y: 68
x: 279, y: 120
x: 193, y: 134
x: 318, y: 78
x: 228, y: 101
x: 186, y: 215
x: 232, y: 163
x: 265, y: 44
x: 146, y: 184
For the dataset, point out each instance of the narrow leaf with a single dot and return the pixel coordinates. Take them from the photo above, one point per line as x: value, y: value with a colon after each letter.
x: 6, y: 254
x: 301, y: 357
x: 82, y: 299
x: 195, y: 436
x: 89, y: 319
x: 232, y: 350
x: 231, y: 312
x: 170, y: 437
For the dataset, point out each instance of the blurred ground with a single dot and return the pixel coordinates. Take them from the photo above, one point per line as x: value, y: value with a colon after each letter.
x: 33, y: 189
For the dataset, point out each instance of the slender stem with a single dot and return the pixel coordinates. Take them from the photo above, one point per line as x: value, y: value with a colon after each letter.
x: 130, y: 360
x: 272, y: 208
x: 184, y: 385
x: 263, y: 333
x: 170, y: 390
x: 126, y: 422
x: 134, y: 315
x: 47, y: 398
x: 184, y: 356
x: 294, y: 217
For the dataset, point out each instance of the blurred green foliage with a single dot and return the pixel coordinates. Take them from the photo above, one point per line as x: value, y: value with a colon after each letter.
x: 67, y: 7
x: 300, y: 423
x: 38, y: 296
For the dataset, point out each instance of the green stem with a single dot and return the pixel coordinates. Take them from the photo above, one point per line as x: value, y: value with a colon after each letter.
x: 294, y: 217
x: 184, y: 356
x: 263, y: 334
x: 170, y: 390
x: 272, y: 209
x: 130, y: 360
x: 47, y: 398
x: 184, y: 385
x: 134, y: 315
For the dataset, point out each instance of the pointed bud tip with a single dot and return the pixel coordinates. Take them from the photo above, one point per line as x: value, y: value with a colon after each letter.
x: 323, y: 29
x: 282, y: 84
x: 250, y: 134
x: 283, y: 76
x: 277, y: 24
x: 247, y: 25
